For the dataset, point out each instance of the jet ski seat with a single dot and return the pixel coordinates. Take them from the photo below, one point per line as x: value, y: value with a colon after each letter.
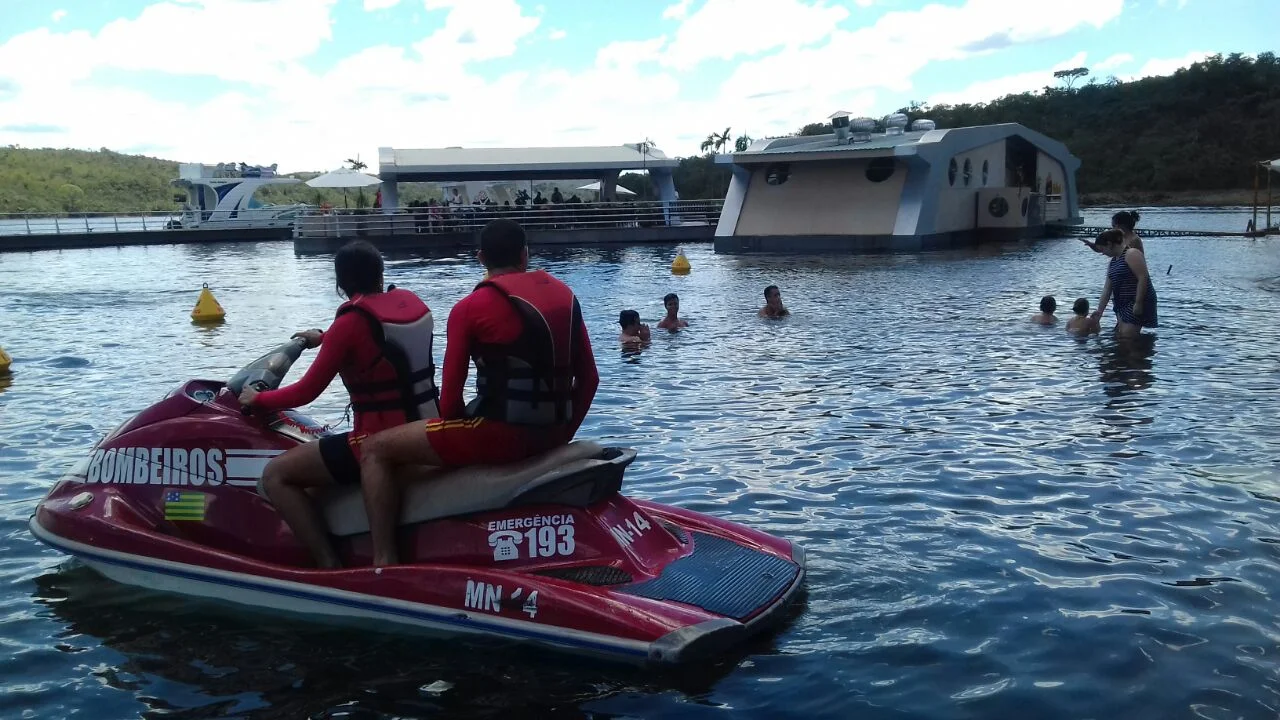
x: 578, y: 474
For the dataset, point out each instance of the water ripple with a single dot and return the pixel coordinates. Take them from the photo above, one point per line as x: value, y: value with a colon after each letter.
x: 1001, y: 521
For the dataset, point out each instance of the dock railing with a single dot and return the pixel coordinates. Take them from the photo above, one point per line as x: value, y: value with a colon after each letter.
x: 340, y: 222
x: 107, y: 222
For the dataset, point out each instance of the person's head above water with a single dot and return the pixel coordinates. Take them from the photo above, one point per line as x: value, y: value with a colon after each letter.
x: 358, y: 269
x: 1081, y: 306
x: 628, y: 319
x: 772, y: 294
x: 1125, y: 220
x: 502, y: 246
x: 1048, y: 304
x: 671, y: 302
x: 1110, y: 242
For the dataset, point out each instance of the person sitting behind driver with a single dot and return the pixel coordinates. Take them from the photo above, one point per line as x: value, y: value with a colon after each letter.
x: 535, y: 380
x: 1047, y: 307
x: 380, y: 344
x: 633, y: 332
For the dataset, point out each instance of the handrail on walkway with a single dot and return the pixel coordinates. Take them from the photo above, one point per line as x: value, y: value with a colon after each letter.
x: 322, y: 222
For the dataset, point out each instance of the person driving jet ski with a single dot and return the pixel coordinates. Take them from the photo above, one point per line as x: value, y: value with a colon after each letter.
x: 380, y: 344
x: 535, y: 379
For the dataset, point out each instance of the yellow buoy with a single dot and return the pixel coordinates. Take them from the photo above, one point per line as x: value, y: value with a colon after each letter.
x: 5, y: 361
x: 680, y: 266
x: 207, y: 309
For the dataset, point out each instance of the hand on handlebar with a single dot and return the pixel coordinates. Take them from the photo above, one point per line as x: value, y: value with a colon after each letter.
x: 311, y: 338
x: 248, y: 395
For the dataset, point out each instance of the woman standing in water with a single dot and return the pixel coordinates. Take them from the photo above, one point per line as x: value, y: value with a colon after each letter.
x: 1128, y: 279
x: 1125, y: 221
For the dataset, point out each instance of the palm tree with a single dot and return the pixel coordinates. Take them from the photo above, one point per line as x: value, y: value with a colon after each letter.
x: 709, y: 143
x: 742, y: 143
x: 356, y: 164
x: 723, y: 139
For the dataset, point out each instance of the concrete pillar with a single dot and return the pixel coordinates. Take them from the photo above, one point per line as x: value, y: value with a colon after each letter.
x: 666, y: 185
x: 609, y: 187
x: 390, y: 196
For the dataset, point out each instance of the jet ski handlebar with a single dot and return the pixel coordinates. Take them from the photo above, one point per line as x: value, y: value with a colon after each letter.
x: 266, y: 372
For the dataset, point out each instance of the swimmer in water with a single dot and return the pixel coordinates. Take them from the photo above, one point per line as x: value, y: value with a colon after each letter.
x: 773, y: 307
x: 634, y: 332
x: 1082, y: 323
x: 1046, y: 316
x: 671, y: 322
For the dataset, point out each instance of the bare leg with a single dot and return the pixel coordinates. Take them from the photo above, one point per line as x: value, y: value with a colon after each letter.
x: 1128, y: 330
x: 382, y: 456
x: 286, y: 480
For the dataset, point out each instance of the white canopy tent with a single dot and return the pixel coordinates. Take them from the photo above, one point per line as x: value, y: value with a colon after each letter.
x: 595, y: 186
x: 344, y: 178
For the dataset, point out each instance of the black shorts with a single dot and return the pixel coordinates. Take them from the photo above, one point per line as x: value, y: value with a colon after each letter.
x: 339, y: 459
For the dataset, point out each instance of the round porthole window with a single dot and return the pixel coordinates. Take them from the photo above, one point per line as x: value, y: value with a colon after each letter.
x: 968, y: 171
x: 951, y: 172
x: 985, y: 168
x: 998, y: 207
x: 777, y: 174
x: 880, y: 169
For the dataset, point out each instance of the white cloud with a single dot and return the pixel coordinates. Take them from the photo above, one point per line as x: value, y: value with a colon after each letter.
x: 476, y: 30
x: 726, y: 29
x: 556, y: 35
x: 276, y: 107
x: 1073, y: 62
x: 371, y: 5
x: 678, y: 11
x: 1114, y: 61
x: 58, y: 15
x: 1167, y: 66
x: 988, y: 90
x: 1181, y: 3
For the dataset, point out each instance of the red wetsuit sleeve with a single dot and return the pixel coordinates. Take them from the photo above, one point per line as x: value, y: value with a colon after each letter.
x: 586, y: 379
x: 457, y: 360
x: 335, y: 347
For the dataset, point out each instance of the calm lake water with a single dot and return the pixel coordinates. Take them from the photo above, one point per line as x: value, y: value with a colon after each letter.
x: 1001, y: 521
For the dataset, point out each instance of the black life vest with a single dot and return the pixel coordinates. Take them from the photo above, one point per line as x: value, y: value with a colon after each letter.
x: 403, y: 377
x: 530, y: 381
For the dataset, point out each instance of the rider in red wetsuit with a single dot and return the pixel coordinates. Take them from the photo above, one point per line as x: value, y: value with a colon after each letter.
x: 535, y: 380
x: 380, y: 344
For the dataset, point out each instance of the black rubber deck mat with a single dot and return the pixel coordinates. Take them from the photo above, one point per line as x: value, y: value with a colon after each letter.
x: 720, y: 576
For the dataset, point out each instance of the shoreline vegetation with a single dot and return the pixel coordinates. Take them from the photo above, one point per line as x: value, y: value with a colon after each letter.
x: 1192, y: 138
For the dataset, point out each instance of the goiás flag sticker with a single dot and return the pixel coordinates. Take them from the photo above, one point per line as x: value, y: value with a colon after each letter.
x: 180, y: 505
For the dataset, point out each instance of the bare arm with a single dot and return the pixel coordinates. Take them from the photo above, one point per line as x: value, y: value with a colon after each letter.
x: 1138, y: 264
x: 1106, y: 298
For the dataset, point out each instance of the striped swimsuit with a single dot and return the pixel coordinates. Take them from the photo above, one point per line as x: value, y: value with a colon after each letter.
x: 1124, y: 291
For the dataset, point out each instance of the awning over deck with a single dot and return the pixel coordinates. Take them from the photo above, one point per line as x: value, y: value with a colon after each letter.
x: 543, y: 163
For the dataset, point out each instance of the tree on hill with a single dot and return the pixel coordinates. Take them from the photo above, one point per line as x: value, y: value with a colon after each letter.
x: 1071, y: 76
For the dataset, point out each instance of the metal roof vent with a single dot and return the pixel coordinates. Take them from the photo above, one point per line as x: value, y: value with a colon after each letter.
x: 862, y: 128
x: 923, y: 125
x: 894, y: 124
x: 840, y: 124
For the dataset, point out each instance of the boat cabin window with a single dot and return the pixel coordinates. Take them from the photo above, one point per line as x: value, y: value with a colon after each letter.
x: 986, y: 168
x: 968, y: 171
x: 951, y: 172
x: 777, y: 174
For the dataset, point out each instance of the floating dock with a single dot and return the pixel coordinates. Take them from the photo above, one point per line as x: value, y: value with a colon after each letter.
x: 29, y: 232
x: 449, y: 229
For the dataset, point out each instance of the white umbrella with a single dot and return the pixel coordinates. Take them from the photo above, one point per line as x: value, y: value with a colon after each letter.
x: 343, y: 178
x: 596, y: 187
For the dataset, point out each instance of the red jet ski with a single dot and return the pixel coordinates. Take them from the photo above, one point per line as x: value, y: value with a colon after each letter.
x: 546, y: 550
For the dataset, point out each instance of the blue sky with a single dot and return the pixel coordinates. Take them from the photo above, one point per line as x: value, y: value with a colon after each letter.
x: 307, y: 83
